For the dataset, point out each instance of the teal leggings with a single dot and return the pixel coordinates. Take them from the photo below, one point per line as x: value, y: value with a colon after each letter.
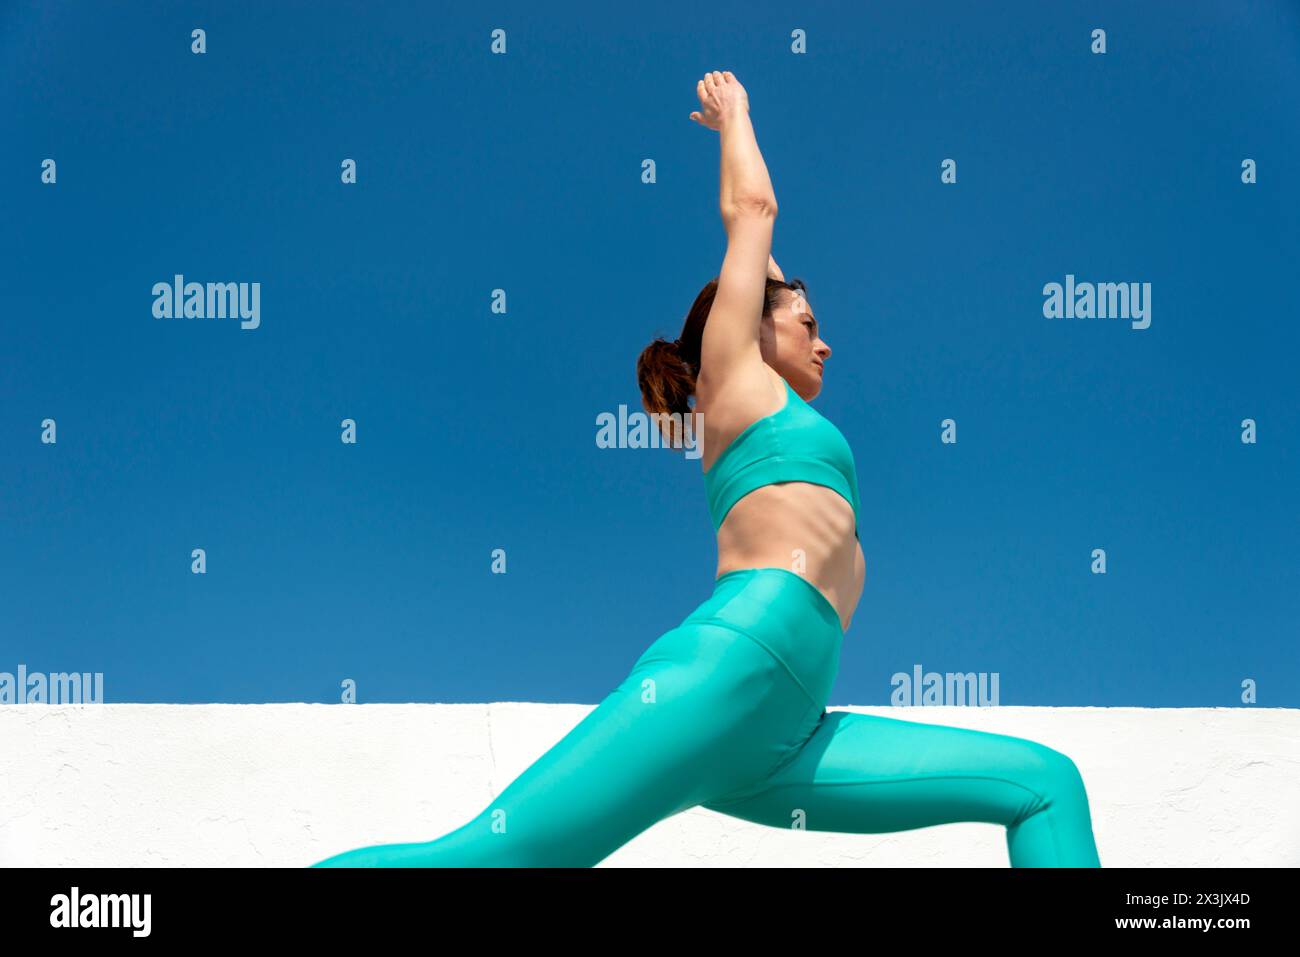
x: 728, y: 711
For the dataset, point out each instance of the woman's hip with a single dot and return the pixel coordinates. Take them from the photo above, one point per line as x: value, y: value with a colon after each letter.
x: 781, y: 613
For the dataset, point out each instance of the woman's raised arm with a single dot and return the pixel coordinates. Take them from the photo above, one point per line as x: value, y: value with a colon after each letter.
x: 748, y: 206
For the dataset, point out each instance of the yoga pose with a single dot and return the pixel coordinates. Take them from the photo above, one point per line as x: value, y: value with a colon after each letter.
x: 728, y: 710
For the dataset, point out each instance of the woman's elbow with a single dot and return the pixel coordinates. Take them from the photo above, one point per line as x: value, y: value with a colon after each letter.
x: 749, y: 207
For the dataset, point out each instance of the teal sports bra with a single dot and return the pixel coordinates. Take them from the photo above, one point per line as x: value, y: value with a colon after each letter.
x: 796, y: 443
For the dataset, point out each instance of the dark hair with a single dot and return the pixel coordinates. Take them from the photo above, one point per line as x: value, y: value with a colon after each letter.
x: 667, y: 371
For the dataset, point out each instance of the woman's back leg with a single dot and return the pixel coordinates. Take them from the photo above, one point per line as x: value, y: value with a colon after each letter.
x: 702, y: 712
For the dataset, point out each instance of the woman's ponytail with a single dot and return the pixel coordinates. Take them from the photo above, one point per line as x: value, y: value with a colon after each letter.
x: 667, y: 382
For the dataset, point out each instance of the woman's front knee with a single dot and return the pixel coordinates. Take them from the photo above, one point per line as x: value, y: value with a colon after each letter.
x: 1054, y: 772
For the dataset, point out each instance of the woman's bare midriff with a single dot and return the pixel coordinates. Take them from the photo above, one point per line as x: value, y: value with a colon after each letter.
x: 804, y: 528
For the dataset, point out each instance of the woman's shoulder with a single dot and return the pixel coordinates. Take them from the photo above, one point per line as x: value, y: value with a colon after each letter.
x: 731, y: 405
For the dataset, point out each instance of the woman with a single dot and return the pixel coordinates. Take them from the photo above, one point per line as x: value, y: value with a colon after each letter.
x: 728, y: 710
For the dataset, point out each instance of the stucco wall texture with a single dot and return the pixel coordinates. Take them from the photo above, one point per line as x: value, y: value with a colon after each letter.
x: 285, y: 785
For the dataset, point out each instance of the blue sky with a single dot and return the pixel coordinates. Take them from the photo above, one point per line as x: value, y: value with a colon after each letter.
x: 476, y: 430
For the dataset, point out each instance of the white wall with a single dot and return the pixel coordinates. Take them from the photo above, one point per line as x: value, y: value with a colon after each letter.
x: 289, y: 784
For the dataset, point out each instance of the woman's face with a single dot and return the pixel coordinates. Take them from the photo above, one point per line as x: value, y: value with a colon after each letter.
x: 791, y: 344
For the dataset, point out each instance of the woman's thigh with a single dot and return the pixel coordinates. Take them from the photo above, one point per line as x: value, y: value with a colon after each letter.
x: 703, y: 712
x: 870, y: 774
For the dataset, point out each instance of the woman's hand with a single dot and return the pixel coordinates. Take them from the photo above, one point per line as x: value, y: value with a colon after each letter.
x: 773, y: 270
x: 721, y: 96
